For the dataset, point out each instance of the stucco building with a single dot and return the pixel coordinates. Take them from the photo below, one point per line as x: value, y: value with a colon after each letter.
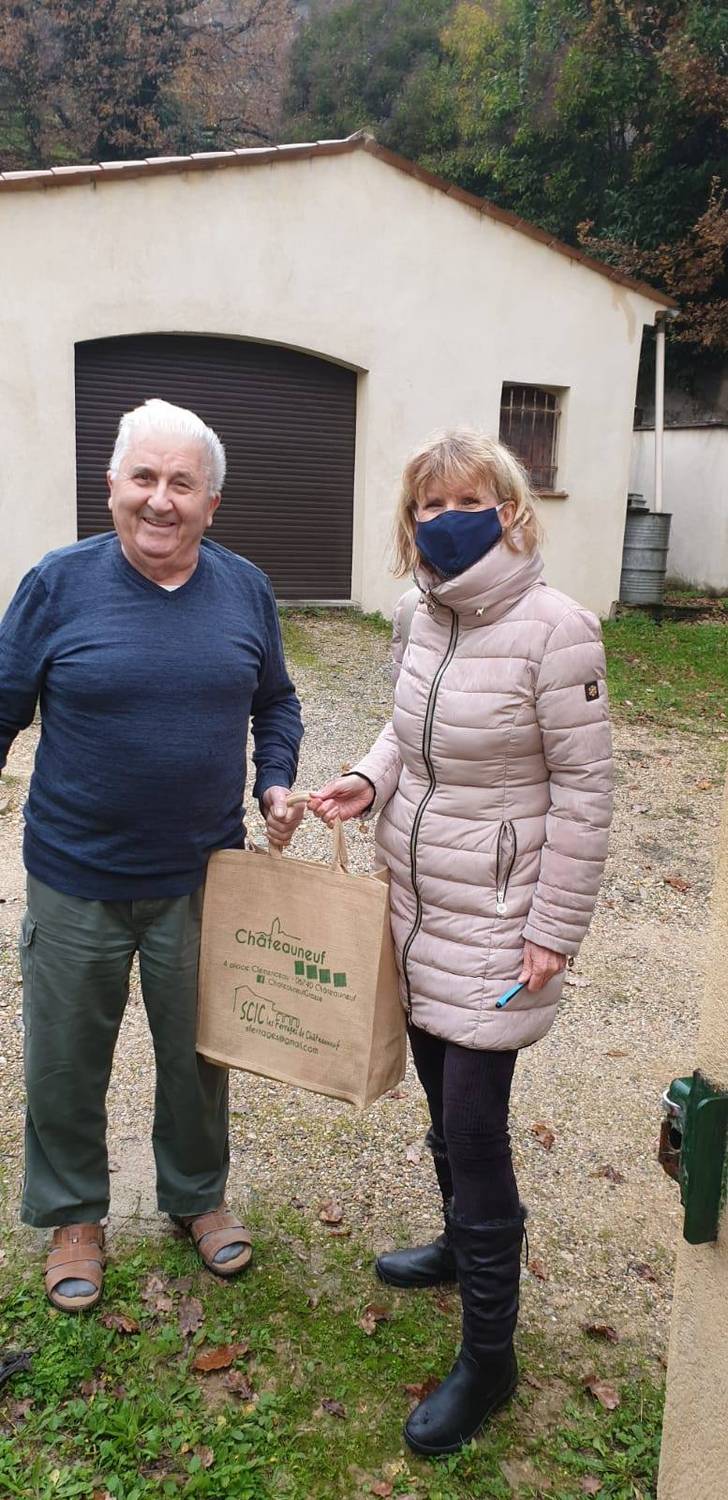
x: 325, y: 307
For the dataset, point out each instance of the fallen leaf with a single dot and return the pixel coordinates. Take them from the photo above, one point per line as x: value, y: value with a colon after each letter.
x: 181, y: 1284
x: 442, y: 1301
x: 703, y: 786
x: 423, y: 1388
x: 601, y: 1331
x: 414, y: 1154
x: 93, y: 1386
x: 382, y: 1488
x: 532, y: 1380
x: 191, y: 1316
x: 206, y: 1457
x: 640, y: 807
x: 297, y: 1203
x: 537, y: 1268
x: 331, y: 1212
x: 590, y: 1485
x: 340, y: 1232
x: 154, y: 1286
x: 219, y: 1358
x: 677, y: 882
x: 577, y: 982
x: 396, y: 1094
x: 373, y: 1315
x: 313, y: 1300
x: 102, y: 1495
x: 616, y: 1052
x: 18, y: 1411
x: 643, y: 1270
x: 334, y: 1408
x: 544, y: 1134
x: 237, y: 1381
x: 610, y: 1173
x: 119, y: 1322
x: 602, y: 1392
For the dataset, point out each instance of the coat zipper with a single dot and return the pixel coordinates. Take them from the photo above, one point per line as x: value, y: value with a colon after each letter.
x: 417, y: 820
x: 505, y: 860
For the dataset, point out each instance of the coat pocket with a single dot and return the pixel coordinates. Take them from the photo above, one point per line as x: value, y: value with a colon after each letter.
x: 505, y: 860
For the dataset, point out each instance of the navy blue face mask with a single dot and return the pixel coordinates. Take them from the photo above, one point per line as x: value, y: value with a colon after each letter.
x: 456, y: 539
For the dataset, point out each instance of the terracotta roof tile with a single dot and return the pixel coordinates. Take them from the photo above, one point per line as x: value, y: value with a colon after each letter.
x: 114, y: 171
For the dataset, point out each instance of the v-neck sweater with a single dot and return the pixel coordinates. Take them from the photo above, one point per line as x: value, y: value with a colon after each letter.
x: 146, y: 695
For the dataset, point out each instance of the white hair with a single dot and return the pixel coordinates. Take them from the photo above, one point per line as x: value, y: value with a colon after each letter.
x: 161, y: 416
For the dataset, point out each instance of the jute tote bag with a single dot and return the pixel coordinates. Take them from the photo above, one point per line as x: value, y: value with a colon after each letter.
x: 298, y: 979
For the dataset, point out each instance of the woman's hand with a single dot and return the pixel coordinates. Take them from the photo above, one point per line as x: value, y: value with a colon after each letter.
x: 346, y: 797
x: 281, y: 821
x: 540, y: 965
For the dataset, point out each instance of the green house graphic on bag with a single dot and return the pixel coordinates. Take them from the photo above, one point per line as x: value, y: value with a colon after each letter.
x: 323, y: 976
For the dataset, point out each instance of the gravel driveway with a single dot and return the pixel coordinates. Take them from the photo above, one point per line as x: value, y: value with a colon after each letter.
x: 603, y: 1245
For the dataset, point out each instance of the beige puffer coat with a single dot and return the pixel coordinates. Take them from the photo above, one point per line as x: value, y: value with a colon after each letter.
x: 494, y: 784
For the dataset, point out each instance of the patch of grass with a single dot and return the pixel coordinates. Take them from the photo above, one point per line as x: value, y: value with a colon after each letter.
x: 298, y: 642
x: 674, y: 674
x: 125, y: 1414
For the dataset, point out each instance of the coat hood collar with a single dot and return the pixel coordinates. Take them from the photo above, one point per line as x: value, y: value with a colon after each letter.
x: 488, y: 589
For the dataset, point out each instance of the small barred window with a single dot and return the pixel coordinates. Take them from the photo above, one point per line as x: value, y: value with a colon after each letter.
x: 529, y: 425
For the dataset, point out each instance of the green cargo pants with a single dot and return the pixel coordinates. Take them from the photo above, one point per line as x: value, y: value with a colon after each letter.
x: 75, y: 959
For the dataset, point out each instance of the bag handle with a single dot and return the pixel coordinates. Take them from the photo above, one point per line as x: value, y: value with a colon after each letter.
x: 339, y: 851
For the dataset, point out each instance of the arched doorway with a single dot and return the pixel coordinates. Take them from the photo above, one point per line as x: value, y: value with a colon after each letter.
x: 288, y: 423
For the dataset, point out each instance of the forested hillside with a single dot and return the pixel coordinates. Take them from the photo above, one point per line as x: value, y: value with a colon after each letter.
x: 602, y: 120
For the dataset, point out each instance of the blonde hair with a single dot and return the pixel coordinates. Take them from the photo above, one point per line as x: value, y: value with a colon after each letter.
x: 463, y: 456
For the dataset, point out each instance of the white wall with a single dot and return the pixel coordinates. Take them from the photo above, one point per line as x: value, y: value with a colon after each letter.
x: 695, y: 486
x: 343, y: 256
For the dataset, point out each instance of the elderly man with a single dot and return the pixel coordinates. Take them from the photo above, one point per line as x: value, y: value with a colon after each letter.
x: 150, y: 650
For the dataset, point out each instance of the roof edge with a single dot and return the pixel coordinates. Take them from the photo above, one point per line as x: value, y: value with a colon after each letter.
x: 250, y: 156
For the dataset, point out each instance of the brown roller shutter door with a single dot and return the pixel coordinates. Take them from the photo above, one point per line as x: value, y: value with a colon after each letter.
x: 288, y: 423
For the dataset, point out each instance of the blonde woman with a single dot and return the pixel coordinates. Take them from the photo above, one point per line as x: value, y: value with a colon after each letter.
x: 493, y: 785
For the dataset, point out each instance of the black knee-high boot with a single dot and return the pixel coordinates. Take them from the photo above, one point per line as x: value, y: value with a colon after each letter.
x: 485, y: 1373
x: 425, y: 1265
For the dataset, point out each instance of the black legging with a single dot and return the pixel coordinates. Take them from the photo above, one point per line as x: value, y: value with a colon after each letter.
x: 468, y: 1092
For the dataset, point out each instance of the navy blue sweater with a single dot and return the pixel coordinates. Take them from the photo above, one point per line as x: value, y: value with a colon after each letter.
x: 145, y: 697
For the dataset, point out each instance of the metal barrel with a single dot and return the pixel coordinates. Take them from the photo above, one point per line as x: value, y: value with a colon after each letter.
x: 644, y: 557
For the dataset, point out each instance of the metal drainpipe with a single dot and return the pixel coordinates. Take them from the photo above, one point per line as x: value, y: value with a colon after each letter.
x: 659, y: 406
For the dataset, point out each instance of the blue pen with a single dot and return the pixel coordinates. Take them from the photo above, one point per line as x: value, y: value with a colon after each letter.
x: 514, y: 990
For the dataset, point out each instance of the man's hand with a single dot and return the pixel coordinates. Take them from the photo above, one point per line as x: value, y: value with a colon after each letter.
x: 540, y: 965
x: 281, y: 821
x: 346, y: 797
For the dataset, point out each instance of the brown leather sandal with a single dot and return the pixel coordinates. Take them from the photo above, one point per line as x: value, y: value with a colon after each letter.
x: 213, y: 1232
x: 76, y: 1254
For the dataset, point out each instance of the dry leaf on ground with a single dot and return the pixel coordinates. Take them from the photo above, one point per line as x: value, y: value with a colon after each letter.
x: 383, y: 1488
x: 331, y: 1212
x: 643, y: 1270
x: 590, y: 1485
x: 119, y: 1322
x: 414, y: 1154
x: 602, y: 1392
x: 191, y: 1315
x: 372, y: 1315
x: 537, y: 1268
x: 340, y: 1231
x: 616, y: 1052
x: 181, y: 1285
x: 678, y: 882
x: 237, y: 1381
x: 601, y: 1331
x: 612, y: 1174
x: 219, y: 1358
x: 422, y: 1388
x: 703, y: 786
x: 334, y: 1408
x: 544, y: 1134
